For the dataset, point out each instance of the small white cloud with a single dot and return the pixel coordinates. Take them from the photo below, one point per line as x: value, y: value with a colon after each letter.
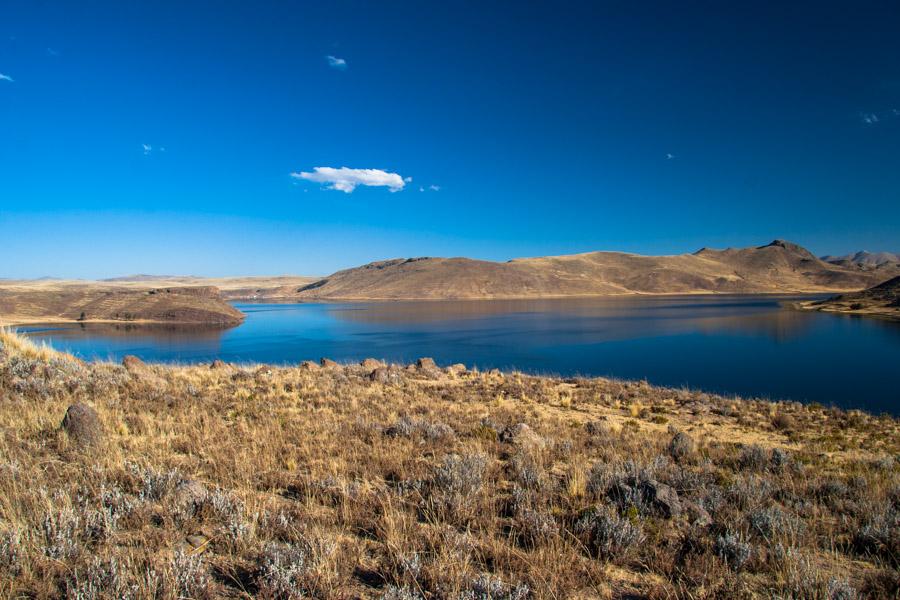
x: 346, y: 180
x: 869, y: 118
x: 335, y: 62
x: 434, y: 188
x: 147, y: 148
x: 6, y: 78
x: 407, y: 179
x: 52, y: 52
x: 421, y: 189
x: 669, y: 156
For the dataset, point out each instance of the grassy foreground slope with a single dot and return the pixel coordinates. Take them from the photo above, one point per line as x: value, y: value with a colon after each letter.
x: 148, y: 481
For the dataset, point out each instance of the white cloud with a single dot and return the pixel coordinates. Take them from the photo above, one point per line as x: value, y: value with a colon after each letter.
x: 6, y: 78
x: 147, y: 148
x: 335, y: 62
x: 434, y: 188
x: 669, y: 156
x: 346, y: 180
x: 869, y: 118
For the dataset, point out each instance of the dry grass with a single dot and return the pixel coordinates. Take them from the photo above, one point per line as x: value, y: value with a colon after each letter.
x: 308, y: 482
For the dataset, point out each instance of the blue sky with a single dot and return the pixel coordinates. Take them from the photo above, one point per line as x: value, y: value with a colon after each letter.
x: 161, y: 137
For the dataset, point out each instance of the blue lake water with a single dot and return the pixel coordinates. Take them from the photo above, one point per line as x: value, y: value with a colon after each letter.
x: 745, y: 345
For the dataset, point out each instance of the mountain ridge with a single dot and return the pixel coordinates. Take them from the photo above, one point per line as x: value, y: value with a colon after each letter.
x: 780, y: 266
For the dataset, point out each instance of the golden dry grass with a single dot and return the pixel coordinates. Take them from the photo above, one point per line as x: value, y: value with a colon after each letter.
x: 259, y: 481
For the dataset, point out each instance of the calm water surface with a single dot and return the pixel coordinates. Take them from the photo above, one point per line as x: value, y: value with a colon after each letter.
x: 745, y: 345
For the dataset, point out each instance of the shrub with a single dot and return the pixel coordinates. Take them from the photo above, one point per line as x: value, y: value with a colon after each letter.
x: 733, y: 550
x: 608, y: 535
x: 681, y: 447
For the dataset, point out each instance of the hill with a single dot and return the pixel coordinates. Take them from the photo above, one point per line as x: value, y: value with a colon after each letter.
x: 777, y: 267
x: 882, y: 300
x: 91, y: 302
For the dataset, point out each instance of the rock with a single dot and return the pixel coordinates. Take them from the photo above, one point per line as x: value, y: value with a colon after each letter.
x: 308, y: 365
x: 371, y: 363
x: 681, y: 447
x: 697, y: 515
x: 82, y: 425
x: 426, y: 363
x: 198, y: 542
x: 327, y: 363
x: 189, y: 491
x: 495, y: 373
x: 133, y: 363
x: 663, y: 498
x: 523, y: 436
x: 218, y: 365
x: 386, y: 375
x: 456, y: 369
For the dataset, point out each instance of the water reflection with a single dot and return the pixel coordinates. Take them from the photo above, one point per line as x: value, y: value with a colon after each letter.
x: 746, y: 345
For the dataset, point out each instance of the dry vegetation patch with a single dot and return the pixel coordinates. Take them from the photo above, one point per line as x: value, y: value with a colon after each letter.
x: 421, y: 482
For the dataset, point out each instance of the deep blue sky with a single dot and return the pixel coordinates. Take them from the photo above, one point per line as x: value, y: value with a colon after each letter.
x: 547, y: 127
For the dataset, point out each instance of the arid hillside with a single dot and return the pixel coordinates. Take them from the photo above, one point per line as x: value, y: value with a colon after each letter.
x: 882, y: 300
x: 46, y: 302
x: 423, y: 482
x: 776, y: 267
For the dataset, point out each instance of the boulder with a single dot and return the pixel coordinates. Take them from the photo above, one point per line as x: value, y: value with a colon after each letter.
x: 697, y: 515
x: 133, y: 363
x: 371, y: 363
x: 82, y: 425
x: 456, y: 369
x: 426, y: 363
x: 386, y: 375
x: 663, y: 498
x: 327, y: 363
x: 218, y: 365
x: 523, y: 436
x: 681, y: 447
x: 308, y: 365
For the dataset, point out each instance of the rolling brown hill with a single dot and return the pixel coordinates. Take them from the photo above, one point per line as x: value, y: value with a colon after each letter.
x: 91, y: 302
x: 779, y: 267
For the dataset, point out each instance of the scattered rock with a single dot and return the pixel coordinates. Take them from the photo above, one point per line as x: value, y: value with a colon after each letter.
x: 681, y: 447
x: 308, y: 365
x: 456, y: 369
x: 218, y: 365
x: 426, y: 363
x: 523, y: 436
x: 189, y: 491
x: 661, y: 497
x: 386, y: 375
x: 697, y: 515
x: 82, y: 425
x: 133, y: 363
x: 328, y: 363
x: 371, y: 363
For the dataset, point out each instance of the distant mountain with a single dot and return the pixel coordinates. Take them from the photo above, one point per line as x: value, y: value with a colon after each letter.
x: 776, y: 267
x: 864, y: 259
x: 882, y: 300
x: 144, y: 277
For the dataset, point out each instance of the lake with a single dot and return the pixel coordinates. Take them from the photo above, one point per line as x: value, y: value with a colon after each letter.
x: 745, y: 345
